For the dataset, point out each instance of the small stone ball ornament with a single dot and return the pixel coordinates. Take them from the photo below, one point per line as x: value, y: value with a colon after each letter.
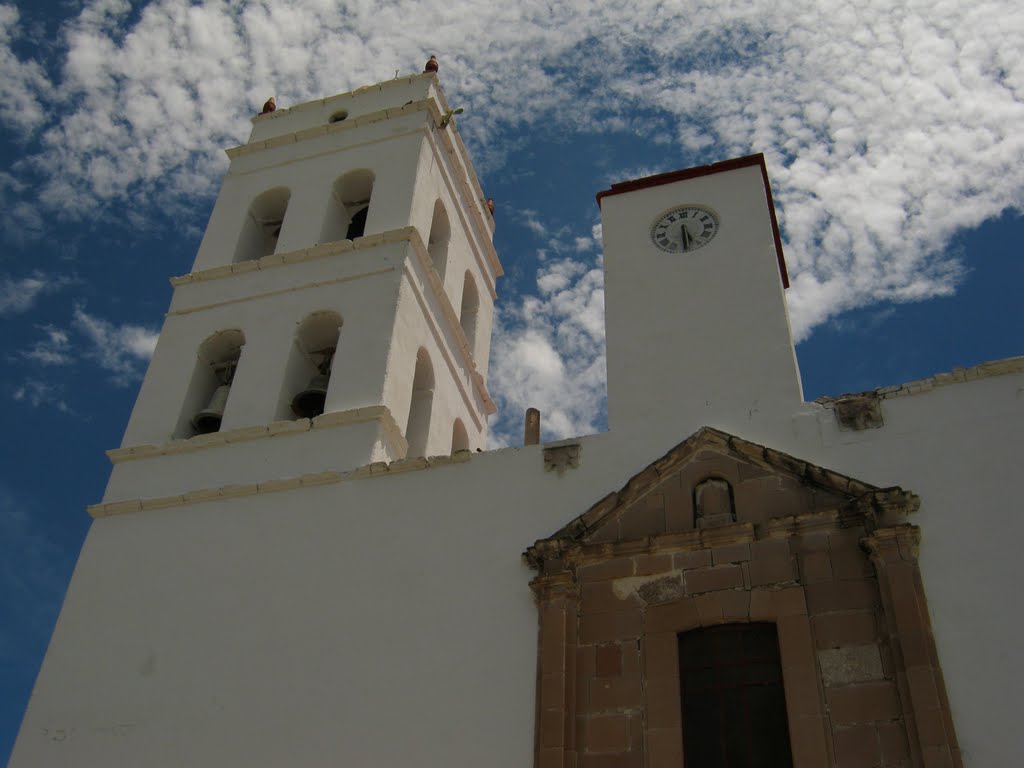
x: 431, y: 65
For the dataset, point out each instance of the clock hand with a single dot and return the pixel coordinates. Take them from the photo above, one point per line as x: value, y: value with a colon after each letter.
x: 686, y: 239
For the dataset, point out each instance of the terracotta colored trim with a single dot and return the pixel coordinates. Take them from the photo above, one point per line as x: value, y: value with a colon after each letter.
x: 707, y: 170
x: 681, y: 175
x: 783, y: 271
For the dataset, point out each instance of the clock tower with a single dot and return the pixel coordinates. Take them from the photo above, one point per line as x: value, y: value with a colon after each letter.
x: 690, y: 258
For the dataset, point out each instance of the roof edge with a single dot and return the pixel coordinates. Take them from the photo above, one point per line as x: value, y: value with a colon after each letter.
x: 670, y: 177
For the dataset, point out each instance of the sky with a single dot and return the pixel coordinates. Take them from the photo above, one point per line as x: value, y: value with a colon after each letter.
x: 893, y: 133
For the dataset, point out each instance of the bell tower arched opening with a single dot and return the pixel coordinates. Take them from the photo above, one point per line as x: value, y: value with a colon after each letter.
x: 417, y: 429
x: 438, y: 239
x: 310, y: 366
x: 212, y: 377
x: 460, y: 438
x: 262, y: 227
x: 470, y: 311
x: 349, y: 206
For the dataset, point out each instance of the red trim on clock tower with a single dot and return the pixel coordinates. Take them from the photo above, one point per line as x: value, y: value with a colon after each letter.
x: 707, y: 170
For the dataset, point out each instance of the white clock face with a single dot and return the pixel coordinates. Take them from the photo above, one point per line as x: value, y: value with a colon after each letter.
x: 686, y: 228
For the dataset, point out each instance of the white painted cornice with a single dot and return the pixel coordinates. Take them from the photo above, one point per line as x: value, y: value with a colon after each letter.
x: 374, y: 470
x: 379, y: 413
x: 278, y: 260
x: 404, y: 234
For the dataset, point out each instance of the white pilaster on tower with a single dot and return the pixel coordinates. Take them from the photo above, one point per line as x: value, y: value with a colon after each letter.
x: 339, y: 310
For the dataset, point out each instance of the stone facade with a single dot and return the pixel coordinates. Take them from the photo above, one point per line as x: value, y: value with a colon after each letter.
x: 622, y: 581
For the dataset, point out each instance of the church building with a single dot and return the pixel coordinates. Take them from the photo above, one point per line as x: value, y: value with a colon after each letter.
x: 306, y: 555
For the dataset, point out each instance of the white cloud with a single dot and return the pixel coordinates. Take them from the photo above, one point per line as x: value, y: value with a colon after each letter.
x: 19, y: 295
x: 548, y: 353
x: 119, y: 350
x: 40, y: 394
x: 532, y: 223
x: 53, y: 349
x: 887, y: 130
x: 24, y: 86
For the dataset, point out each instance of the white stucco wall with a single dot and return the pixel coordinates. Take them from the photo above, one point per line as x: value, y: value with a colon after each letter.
x: 388, y: 620
x: 960, y: 448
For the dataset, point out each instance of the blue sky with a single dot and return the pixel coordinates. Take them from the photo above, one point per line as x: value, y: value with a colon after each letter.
x: 893, y: 133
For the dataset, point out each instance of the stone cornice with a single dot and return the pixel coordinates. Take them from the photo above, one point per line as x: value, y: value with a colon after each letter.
x: 278, y: 260
x: 401, y: 235
x: 894, y: 544
x: 556, y: 586
x: 707, y: 437
x: 860, y: 503
x: 377, y: 469
x: 378, y: 413
x: 956, y: 376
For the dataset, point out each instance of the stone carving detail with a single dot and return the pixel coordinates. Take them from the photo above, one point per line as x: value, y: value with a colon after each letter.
x: 561, y: 457
x: 713, y: 504
x: 859, y: 412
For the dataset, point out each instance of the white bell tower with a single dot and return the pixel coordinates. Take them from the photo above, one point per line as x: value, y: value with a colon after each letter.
x: 339, y: 310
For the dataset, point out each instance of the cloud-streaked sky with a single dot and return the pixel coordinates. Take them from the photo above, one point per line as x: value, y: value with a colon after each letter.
x: 891, y: 129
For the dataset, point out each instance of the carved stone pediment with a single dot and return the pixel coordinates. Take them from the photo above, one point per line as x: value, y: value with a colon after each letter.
x: 722, y: 531
x: 713, y: 483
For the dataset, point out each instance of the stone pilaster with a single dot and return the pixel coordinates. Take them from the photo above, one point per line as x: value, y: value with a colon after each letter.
x: 929, y: 720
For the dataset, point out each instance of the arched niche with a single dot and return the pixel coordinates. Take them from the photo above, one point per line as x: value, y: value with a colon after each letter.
x: 713, y: 503
x: 310, y: 366
x: 348, y: 207
x: 469, y: 312
x: 438, y: 239
x: 216, y: 361
x: 417, y: 429
x: 262, y: 226
x: 460, y: 438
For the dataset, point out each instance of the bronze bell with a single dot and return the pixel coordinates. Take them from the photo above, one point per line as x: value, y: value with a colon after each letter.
x: 310, y: 401
x: 208, y: 420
